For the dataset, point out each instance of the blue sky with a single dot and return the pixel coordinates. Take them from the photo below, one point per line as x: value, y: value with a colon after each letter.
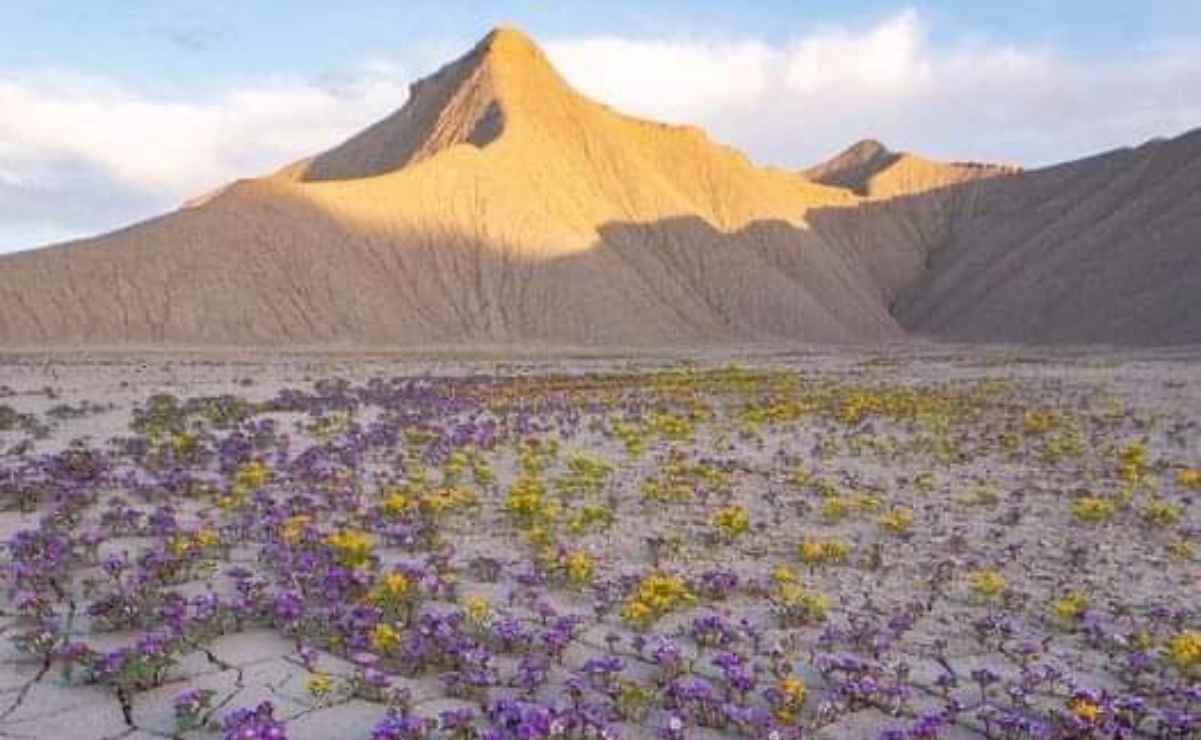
x: 198, y: 43
x: 115, y: 111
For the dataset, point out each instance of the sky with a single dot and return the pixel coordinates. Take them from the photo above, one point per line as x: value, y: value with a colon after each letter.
x: 113, y: 111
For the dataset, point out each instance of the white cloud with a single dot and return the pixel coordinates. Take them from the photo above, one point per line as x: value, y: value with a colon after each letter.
x: 885, y: 62
x: 795, y: 102
x: 85, y: 153
x: 81, y: 154
x: 672, y: 80
x: 177, y: 147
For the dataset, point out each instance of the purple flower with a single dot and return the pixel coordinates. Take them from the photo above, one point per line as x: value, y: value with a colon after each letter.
x: 455, y: 720
x: 308, y: 656
x: 253, y: 724
x: 666, y: 653
x: 187, y: 698
x: 532, y: 672
x: 376, y: 679
x: 712, y: 631
x: 985, y: 677
x: 673, y: 728
x: 520, y: 720
x: 289, y: 606
x: 363, y: 659
x: 718, y: 583
x: 402, y: 726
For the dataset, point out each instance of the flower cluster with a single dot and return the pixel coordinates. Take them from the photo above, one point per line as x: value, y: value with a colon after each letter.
x: 599, y: 554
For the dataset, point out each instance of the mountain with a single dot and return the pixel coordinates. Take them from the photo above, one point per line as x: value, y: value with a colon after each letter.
x: 1105, y: 250
x: 497, y: 206
x: 870, y: 169
x: 500, y: 207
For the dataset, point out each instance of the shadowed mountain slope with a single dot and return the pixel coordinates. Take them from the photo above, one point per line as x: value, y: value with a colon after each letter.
x: 1104, y: 250
x: 1099, y: 251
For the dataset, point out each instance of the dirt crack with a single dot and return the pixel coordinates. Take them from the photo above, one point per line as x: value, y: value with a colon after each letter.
x: 20, y: 699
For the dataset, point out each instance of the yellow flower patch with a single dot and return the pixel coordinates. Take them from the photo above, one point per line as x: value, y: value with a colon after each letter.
x: 352, y: 548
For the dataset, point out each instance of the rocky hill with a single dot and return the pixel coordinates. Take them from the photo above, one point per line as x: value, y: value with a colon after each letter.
x: 498, y: 206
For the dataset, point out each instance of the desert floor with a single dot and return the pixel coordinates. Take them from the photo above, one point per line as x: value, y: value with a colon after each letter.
x: 943, y: 541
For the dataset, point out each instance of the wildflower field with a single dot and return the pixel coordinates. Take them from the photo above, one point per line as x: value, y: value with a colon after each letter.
x: 836, y: 545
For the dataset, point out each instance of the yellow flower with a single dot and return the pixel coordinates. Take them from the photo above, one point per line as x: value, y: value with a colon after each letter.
x: 793, y: 690
x: 1070, y: 607
x: 1161, y: 513
x: 1092, y: 509
x: 1142, y: 640
x: 579, y: 568
x: 835, y: 509
x: 1189, y: 478
x: 1184, y: 652
x: 526, y: 504
x: 1085, y: 709
x: 1038, y: 422
x: 897, y: 521
x: 1182, y: 550
x: 320, y: 685
x: 397, y: 584
x: 391, y: 589
x: 1132, y: 463
x: 866, y: 503
x: 293, y: 528
x: 591, y: 516
x: 207, y: 537
x: 384, y: 637
x: 635, y: 611
x: 782, y: 574
x: 987, y: 583
x: 731, y: 521
x: 792, y: 699
x: 795, y: 604
x: 837, y: 551
x: 541, y: 536
x: 477, y: 610
x: 813, y: 552
x: 799, y: 477
x: 655, y: 596
x: 252, y: 476
x: 445, y: 500
x: 183, y: 444
x: 396, y: 504
x: 353, y: 548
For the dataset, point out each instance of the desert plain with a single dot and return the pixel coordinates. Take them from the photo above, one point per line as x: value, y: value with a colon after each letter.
x: 933, y: 541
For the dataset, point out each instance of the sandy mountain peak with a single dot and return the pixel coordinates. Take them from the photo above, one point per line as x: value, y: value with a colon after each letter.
x: 498, y: 143
x: 511, y: 46
x: 473, y: 100
x: 869, y: 168
x: 510, y: 59
x: 866, y: 150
